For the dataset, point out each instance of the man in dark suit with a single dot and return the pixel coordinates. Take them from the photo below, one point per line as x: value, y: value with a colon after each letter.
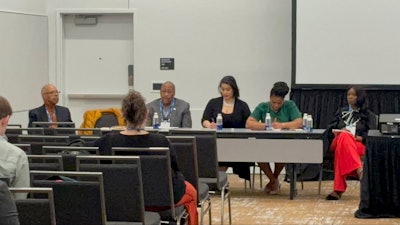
x: 50, y: 111
x: 172, y: 112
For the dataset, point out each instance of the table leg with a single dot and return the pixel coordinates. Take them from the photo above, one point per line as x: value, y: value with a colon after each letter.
x: 293, y: 180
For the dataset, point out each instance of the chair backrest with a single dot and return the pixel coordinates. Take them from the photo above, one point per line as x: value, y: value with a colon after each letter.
x: 45, y: 162
x: 156, y: 175
x: 43, y: 139
x: 207, y: 156
x: 107, y: 120
x: 76, y: 200
x: 35, y: 211
x: 69, y: 154
x: 186, y: 153
x: 12, y: 133
x: 123, y: 186
x: 8, y: 210
x: 374, y: 120
x: 25, y: 147
x: 48, y: 124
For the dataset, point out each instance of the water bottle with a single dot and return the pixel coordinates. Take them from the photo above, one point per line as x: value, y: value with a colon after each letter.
x: 305, y: 121
x: 268, y: 122
x: 156, y: 121
x: 219, y: 122
x: 309, y: 123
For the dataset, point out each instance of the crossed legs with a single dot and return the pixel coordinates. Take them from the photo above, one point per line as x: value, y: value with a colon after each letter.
x: 273, y: 186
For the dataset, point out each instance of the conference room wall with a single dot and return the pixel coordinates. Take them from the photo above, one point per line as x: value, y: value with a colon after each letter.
x: 20, y: 11
x: 208, y: 39
x: 24, y: 6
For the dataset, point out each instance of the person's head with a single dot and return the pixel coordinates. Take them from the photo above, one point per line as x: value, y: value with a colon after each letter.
x: 356, y: 96
x: 134, y: 109
x: 228, y: 87
x: 277, y: 95
x: 50, y: 95
x: 167, y: 93
x: 5, y: 113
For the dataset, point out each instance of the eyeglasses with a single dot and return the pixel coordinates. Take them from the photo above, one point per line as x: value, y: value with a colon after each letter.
x: 53, y: 92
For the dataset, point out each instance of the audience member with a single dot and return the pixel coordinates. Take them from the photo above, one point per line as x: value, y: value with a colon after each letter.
x: 350, y: 129
x: 13, y: 160
x: 234, y: 115
x: 284, y: 115
x: 135, y: 113
x: 172, y: 112
x: 8, y: 209
x: 49, y: 111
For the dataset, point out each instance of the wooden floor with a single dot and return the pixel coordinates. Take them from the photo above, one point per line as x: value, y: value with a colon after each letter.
x: 307, y: 208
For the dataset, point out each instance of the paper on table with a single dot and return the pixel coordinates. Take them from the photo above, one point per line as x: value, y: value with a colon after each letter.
x: 336, y: 131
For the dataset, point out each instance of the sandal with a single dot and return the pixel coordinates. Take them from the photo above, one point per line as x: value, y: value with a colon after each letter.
x: 276, y: 188
x: 334, y: 196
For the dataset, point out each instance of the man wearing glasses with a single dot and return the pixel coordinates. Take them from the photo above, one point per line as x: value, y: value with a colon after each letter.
x: 50, y: 111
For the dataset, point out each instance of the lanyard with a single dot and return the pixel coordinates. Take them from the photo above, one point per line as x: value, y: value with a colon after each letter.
x: 349, y: 120
x: 171, y: 108
x: 50, y: 117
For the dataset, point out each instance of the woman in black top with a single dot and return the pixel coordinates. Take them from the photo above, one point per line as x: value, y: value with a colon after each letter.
x: 234, y: 114
x: 135, y: 113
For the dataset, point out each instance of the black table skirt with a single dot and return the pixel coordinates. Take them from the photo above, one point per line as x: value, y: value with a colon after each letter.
x: 380, y: 187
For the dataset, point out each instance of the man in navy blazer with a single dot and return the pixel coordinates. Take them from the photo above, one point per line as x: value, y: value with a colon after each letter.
x: 172, y: 112
x: 50, y: 111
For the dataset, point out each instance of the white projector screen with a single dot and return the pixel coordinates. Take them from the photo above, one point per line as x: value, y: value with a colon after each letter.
x: 346, y: 42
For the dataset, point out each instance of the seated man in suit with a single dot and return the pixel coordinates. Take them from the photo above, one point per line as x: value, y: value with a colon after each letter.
x: 172, y: 112
x: 50, y: 111
x: 13, y: 160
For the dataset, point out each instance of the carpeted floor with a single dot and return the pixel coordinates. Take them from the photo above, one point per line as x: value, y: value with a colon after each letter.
x: 307, y: 208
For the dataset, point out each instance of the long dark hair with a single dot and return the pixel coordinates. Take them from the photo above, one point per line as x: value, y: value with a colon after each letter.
x: 361, y: 97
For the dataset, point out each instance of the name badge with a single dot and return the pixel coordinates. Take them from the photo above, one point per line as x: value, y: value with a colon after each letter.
x: 165, y: 125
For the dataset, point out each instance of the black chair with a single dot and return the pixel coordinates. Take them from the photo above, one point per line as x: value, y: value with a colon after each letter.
x: 8, y: 210
x: 123, y: 187
x: 43, y: 139
x: 12, y: 133
x: 107, y: 120
x: 157, y: 182
x: 45, y: 162
x: 25, y: 147
x: 69, y: 154
x: 77, y: 131
x: 76, y: 200
x: 186, y: 152
x: 207, y: 156
x: 35, y: 211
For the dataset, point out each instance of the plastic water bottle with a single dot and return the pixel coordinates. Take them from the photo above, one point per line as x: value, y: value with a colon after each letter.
x: 309, y: 123
x: 219, y: 122
x: 305, y: 121
x: 268, y: 122
x: 156, y: 121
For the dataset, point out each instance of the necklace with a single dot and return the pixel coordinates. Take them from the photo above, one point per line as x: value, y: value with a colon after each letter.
x: 229, y: 104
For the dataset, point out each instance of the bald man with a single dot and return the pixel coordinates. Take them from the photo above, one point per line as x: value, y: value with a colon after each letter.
x: 172, y: 112
x: 50, y: 111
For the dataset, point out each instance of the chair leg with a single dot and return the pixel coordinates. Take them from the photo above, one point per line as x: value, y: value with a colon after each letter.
x: 261, y: 174
x: 320, y: 178
x: 253, y: 178
x: 204, y: 209
x: 226, y: 195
